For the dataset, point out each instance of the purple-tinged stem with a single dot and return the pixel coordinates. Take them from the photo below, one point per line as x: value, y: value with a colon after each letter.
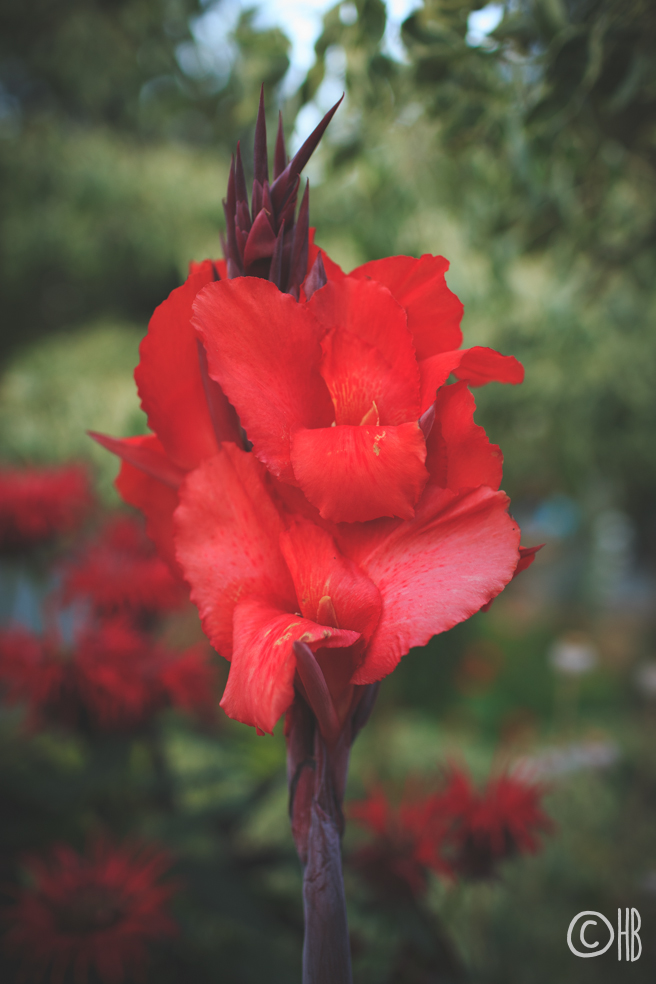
x: 326, y: 947
x: 317, y: 768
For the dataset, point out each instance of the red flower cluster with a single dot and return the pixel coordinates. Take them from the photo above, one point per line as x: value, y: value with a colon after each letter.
x: 90, y: 917
x: 457, y: 832
x: 112, y: 678
x: 487, y: 827
x: 37, y: 504
x: 120, y: 572
x: 367, y: 517
x: 406, y: 844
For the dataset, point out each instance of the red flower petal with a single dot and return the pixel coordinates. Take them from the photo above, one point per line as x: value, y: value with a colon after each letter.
x: 526, y: 558
x: 460, y: 455
x: 477, y: 366
x: 433, y: 571
x: 153, y: 498
x: 369, y: 354
x: 434, y: 312
x: 480, y: 365
x: 353, y: 474
x: 263, y: 348
x: 220, y: 268
x: 147, y: 456
x: 434, y: 373
x: 325, y: 581
x: 227, y: 541
x: 332, y: 590
x: 260, y: 684
x: 169, y: 380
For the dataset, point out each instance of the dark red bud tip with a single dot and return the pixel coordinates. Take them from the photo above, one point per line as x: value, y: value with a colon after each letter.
x: 299, y: 262
x: 303, y: 155
x: 253, y: 246
x: 240, y: 179
x: 427, y: 420
x: 316, y: 278
x: 317, y: 691
x: 280, y: 156
x: 260, y: 159
x: 283, y: 188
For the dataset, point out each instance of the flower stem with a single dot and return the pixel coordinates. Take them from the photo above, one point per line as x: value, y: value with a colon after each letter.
x: 326, y: 949
x: 317, y: 771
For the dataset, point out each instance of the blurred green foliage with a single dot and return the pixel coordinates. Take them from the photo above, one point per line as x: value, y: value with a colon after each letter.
x: 116, y: 127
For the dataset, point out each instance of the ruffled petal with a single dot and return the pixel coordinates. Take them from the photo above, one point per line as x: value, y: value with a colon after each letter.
x: 434, y: 312
x: 263, y: 349
x: 260, y: 684
x: 155, y: 499
x: 434, y: 571
x: 434, y: 373
x: 168, y: 376
x: 354, y: 474
x: 476, y: 366
x: 460, y: 455
x: 369, y: 355
x: 227, y: 531
x: 146, y: 455
x: 480, y: 365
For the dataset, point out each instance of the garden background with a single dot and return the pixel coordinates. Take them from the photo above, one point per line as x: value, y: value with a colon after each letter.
x: 519, y: 141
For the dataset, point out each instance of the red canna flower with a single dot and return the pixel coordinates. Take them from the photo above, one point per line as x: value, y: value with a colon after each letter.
x: 120, y: 572
x: 37, y: 504
x: 112, y: 678
x: 89, y: 916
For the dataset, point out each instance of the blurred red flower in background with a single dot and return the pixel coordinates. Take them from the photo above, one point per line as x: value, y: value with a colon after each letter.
x: 89, y: 916
x: 111, y: 677
x: 120, y: 572
x: 488, y: 827
x: 406, y: 844
x: 37, y: 504
x: 456, y: 831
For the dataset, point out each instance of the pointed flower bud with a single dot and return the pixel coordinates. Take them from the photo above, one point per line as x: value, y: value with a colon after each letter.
x: 265, y: 238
